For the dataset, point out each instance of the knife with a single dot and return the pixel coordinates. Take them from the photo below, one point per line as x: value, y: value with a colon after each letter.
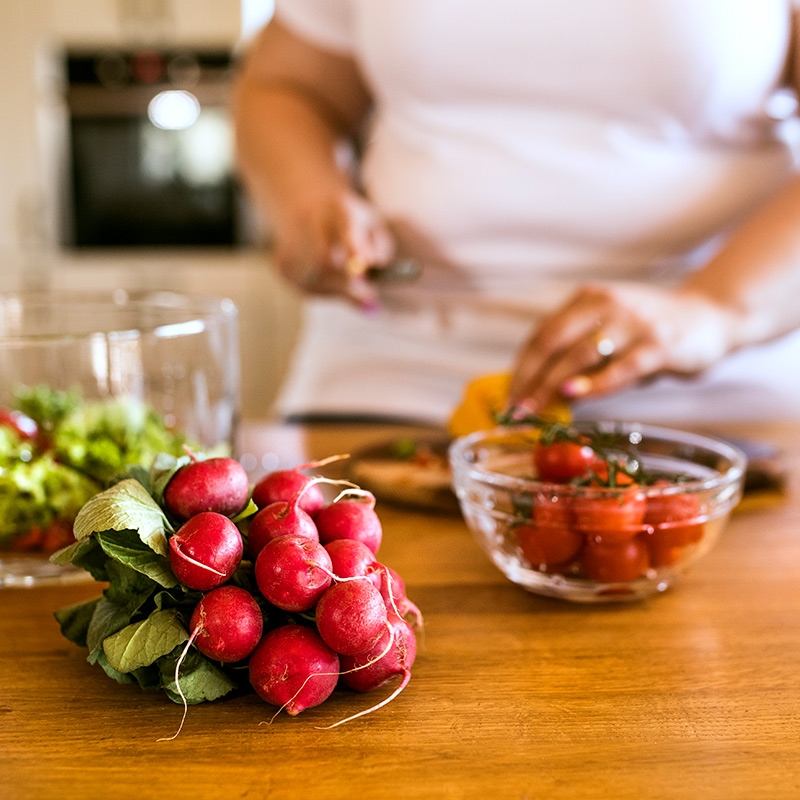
x: 399, y: 270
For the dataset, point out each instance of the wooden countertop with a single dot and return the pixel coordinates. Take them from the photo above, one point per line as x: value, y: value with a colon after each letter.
x: 691, y: 694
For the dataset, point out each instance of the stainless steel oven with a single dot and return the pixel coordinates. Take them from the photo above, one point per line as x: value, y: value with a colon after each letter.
x: 151, y: 151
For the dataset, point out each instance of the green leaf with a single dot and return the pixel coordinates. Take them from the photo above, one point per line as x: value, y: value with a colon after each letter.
x: 128, y: 549
x: 200, y: 679
x: 67, y: 555
x: 127, y: 584
x: 75, y: 619
x: 164, y: 466
x: 120, y: 677
x: 121, y: 601
x: 86, y: 555
x: 108, y: 618
x: 177, y: 596
x: 142, y: 643
x: 136, y: 472
x: 250, y: 509
x: 125, y: 506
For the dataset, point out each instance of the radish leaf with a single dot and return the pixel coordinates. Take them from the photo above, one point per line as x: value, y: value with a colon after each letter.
x: 125, y: 506
x: 127, y: 548
x: 141, y: 643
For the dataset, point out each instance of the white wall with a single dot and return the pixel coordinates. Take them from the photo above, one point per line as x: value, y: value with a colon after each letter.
x: 31, y: 31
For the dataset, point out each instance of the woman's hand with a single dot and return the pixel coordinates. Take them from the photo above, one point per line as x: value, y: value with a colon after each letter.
x: 326, y: 245
x: 610, y: 337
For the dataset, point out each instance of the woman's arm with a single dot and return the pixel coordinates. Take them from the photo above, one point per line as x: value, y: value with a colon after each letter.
x: 294, y: 106
x: 609, y: 337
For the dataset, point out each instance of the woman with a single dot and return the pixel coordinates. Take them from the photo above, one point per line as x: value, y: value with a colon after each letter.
x: 602, y: 198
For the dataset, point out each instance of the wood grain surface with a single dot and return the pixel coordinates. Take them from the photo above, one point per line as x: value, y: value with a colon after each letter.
x: 691, y: 694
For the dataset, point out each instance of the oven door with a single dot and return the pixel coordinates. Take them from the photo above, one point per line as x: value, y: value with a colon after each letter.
x: 151, y: 164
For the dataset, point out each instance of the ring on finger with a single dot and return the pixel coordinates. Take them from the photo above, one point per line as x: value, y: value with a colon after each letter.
x: 604, y: 345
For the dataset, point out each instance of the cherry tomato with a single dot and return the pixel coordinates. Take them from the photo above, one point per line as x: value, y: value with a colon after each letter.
x: 604, y: 476
x: 663, y: 556
x: 610, y: 516
x: 674, y: 518
x: 547, y: 546
x: 614, y: 563
x: 23, y: 425
x: 561, y: 461
x: 553, y: 510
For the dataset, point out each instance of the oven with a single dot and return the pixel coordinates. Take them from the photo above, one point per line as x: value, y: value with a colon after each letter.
x: 150, y: 151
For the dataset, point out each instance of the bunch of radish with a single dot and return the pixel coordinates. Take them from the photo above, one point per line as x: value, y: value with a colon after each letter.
x: 294, y: 591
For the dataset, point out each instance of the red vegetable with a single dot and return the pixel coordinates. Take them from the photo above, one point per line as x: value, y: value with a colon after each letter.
x: 560, y: 461
x: 216, y: 484
x: 610, y: 516
x: 205, y: 551
x: 280, y: 518
x: 613, y: 563
x: 351, y: 616
x: 285, y: 484
x: 293, y: 668
x: 228, y: 624
x: 292, y: 572
x: 351, y: 519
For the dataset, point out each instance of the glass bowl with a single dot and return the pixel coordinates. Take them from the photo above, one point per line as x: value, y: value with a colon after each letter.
x: 91, y: 382
x: 590, y: 537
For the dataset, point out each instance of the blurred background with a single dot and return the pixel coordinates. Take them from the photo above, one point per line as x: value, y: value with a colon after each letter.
x: 116, y: 162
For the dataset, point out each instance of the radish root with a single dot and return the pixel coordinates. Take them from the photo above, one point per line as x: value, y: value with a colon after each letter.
x: 384, y: 702
x: 378, y: 657
x: 178, y: 663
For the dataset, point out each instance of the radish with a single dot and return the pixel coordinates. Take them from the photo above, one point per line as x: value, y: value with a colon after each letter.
x: 279, y: 519
x: 214, y: 484
x: 227, y: 624
x: 292, y: 572
x: 288, y: 484
x: 391, y: 656
x: 285, y: 484
x: 353, y: 518
x: 205, y: 551
x: 351, y: 616
x: 293, y: 668
x: 393, y: 592
x: 352, y: 559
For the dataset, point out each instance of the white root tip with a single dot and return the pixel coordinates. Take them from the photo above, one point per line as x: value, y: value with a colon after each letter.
x: 403, y: 683
x: 178, y: 663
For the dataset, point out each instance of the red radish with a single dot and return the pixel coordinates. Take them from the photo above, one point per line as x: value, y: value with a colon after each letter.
x: 293, y: 668
x: 351, y: 616
x: 393, y: 592
x: 351, y: 519
x: 279, y: 519
x: 214, y: 484
x: 292, y: 572
x: 393, y: 655
x: 286, y: 484
x: 205, y: 551
x: 352, y: 559
x: 228, y: 624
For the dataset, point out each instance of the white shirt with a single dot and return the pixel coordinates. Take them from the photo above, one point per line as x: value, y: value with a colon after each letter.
x: 520, y: 147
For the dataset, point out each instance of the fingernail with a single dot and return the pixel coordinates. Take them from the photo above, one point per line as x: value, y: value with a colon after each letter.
x: 370, y: 306
x: 520, y: 411
x: 576, y: 387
